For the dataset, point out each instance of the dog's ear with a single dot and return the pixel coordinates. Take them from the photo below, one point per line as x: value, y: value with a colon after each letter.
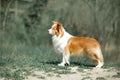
x: 56, y: 22
x: 58, y: 28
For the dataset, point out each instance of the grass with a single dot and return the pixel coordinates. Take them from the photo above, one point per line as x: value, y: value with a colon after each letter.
x: 100, y: 78
x: 18, y: 61
x: 117, y: 75
x: 87, y: 78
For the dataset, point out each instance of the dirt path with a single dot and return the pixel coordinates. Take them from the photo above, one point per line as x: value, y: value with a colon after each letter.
x: 78, y: 74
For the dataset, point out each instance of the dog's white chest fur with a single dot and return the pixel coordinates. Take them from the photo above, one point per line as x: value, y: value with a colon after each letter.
x: 59, y: 43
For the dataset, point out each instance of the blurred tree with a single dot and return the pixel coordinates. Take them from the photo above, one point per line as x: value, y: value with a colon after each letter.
x: 30, y: 19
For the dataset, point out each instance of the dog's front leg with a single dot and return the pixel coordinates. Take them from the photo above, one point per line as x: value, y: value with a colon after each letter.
x: 65, y: 59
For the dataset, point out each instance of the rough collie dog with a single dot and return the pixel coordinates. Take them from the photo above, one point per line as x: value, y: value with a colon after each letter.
x: 67, y: 44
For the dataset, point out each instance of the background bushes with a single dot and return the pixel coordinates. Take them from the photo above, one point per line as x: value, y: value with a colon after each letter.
x: 27, y: 21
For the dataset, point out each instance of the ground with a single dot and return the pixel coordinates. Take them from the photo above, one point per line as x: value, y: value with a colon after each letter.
x: 76, y: 73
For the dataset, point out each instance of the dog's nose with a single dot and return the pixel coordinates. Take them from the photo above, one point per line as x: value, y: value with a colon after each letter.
x: 48, y: 30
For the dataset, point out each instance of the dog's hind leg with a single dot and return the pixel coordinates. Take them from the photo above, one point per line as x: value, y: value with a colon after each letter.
x: 96, y: 55
x: 100, y: 64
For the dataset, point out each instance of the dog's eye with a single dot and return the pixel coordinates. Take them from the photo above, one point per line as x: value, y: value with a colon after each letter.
x: 54, y: 28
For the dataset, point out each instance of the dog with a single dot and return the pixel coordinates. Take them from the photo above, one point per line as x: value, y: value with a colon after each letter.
x: 68, y: 44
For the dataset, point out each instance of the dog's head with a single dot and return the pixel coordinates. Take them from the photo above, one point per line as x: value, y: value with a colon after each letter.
x: 56, y: 29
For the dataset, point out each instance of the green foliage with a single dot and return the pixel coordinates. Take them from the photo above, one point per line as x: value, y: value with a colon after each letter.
x: 98, y: 18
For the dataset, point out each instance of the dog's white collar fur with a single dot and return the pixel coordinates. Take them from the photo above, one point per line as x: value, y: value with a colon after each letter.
x: 59, y: 42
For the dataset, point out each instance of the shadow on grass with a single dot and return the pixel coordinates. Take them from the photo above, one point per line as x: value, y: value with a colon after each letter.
x: 51, y: 63
x: 83, y: 64
x: 72, y: 63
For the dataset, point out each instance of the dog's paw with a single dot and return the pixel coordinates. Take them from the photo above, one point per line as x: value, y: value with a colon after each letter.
x: 99, y: 65
x: 61, y: 64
